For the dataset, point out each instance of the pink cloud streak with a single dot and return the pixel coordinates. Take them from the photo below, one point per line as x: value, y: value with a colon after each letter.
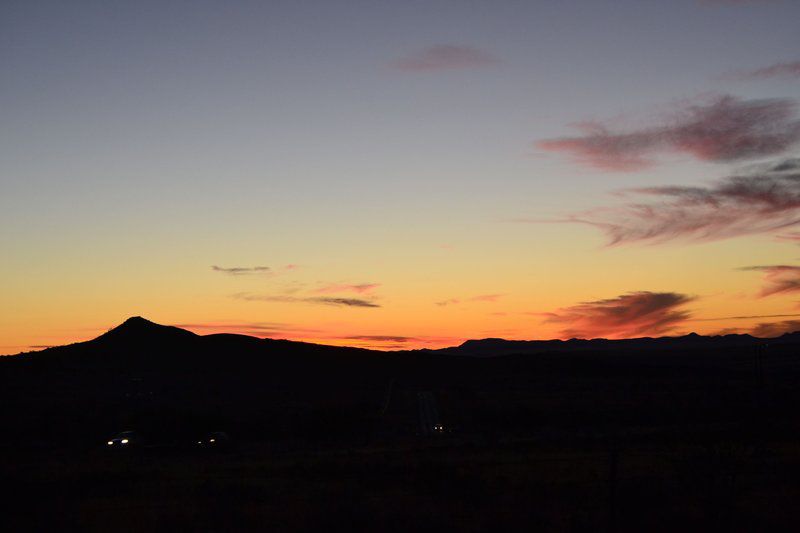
x: 787, y: 70
x: 360, y: 288
x: 491, y: 298
x: 445, y: 57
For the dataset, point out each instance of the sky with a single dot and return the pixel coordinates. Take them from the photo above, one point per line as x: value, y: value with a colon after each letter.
x: 399, y: 174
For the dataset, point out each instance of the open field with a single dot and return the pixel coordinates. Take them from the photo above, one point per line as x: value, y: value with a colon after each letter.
x: 503, y: 486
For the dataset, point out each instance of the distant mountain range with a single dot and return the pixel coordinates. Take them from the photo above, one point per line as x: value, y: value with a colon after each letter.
x: 140, y: 336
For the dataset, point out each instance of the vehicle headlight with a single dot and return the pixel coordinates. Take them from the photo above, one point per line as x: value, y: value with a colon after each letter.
x: 111, y: 443
x: 212, y: 440
x: 124, y: 441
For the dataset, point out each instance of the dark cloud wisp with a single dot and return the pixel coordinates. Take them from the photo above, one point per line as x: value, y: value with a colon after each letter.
x: 320, y: 300
x: 347, y: 302
x: 775, y: 329
x: 763, y: 200
x: 724, y: 129
x: 241, y: 271
x: 778, y: 279
x: 379, y: 338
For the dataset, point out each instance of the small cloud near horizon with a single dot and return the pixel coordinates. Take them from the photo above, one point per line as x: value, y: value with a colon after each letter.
x: 400, y: 342
x: 254, y: 329
x: 775, y: 329
x: 635, y: 314
x: 445, y: 57
x: 741, y: 317
x: 724, y: 129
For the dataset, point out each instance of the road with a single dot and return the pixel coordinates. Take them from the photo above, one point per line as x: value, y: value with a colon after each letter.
x: 429, y: 421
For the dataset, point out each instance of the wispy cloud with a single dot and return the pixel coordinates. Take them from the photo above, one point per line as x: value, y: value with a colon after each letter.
x: 786, y: 70
x: 478, y: 298
x: 320, y: 300
x: 790, y: 236
x: 260, y: 326
x: 486, y: 298
x: 360, y: 288
x: 255, y: 329
x: 398, y: 342
x: 634, y: 314
x: 445, y: 57
x: 778, y: 279
x: 262, y: 271
x: 348, y: 302
x: 241, y: 271
x: 763, y: 330
x: 380, y: 338
x: 742, y: 317
x: 764, y: 200
x: 722, y: 130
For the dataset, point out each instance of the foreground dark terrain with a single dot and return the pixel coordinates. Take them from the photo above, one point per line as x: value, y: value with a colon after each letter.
x: 689, y: 433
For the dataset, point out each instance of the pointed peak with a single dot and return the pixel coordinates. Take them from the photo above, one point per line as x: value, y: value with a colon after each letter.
x: 137, y: 321
x: 137, y: 328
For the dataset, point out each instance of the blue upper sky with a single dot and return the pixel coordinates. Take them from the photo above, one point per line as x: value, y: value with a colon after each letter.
x: 314, y: 127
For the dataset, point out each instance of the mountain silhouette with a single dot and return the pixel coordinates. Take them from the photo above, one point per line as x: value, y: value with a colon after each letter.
x: 142, y: 337
x: 138, y: 330
x: 495, y: 347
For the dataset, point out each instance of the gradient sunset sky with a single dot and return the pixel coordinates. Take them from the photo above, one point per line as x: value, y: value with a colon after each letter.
x: 399, y: 174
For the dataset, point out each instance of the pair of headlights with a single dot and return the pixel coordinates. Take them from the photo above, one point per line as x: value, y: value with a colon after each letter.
x: 123, y: 441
